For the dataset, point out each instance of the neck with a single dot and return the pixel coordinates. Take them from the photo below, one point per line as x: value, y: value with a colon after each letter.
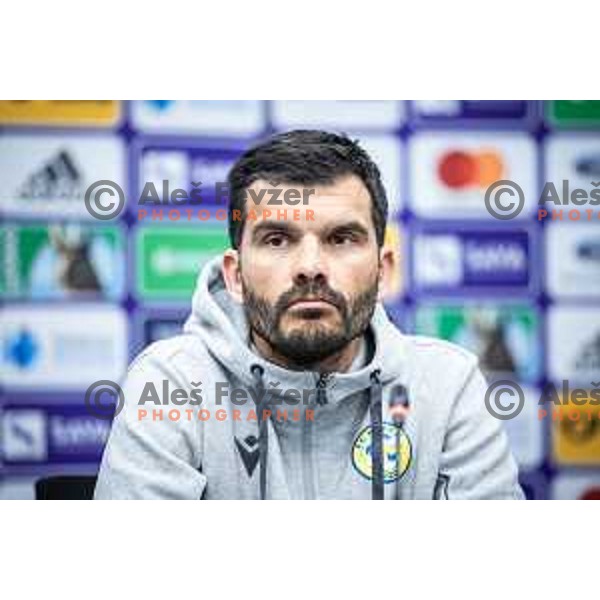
x: 339, y: 362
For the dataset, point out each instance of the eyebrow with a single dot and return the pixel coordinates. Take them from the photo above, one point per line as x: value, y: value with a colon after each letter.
x: 353, y: 226
x: 270, y: 226
x: 290, y: 228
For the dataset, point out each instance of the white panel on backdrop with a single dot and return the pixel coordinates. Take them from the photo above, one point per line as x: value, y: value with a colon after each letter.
x: 576, y: 159
x: 48, y: 175
x: 574, y: 343
x: 210, y: 117
x: 451, y: 171
x: 573, y: 259
x: 66, y: 346
x: 338, y: 114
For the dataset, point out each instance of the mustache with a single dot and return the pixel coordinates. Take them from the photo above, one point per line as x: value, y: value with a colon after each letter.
x: 313, y: 290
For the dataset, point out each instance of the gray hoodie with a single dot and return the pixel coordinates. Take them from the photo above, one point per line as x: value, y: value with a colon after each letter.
x: 329, y: 436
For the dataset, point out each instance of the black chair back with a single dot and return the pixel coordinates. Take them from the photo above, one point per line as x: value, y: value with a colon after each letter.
x: 65, y: 487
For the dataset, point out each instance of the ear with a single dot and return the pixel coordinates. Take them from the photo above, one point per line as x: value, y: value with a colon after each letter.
x: 389, y: 261
x: 232, y: 275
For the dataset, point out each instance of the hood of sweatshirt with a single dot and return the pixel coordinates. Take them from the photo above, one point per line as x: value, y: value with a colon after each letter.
x: 221, y: 323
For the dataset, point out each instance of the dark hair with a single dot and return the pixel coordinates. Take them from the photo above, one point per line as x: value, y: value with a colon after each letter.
x: 306, y: 157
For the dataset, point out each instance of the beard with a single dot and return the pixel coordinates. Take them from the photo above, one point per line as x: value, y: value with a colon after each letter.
x: 311, y: 341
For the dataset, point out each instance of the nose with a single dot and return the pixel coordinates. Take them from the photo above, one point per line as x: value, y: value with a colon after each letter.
x: 309, y: 264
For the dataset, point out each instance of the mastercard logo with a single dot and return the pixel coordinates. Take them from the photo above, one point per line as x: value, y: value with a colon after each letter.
x: 460, y: 170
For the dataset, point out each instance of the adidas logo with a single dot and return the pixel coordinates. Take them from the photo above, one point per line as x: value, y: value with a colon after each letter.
x: 58, y: 178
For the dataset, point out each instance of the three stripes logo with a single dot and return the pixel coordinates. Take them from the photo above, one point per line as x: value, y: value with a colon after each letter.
x: 58, y: 178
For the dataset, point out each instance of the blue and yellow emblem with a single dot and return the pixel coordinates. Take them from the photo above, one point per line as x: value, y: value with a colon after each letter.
x: 397, y: 452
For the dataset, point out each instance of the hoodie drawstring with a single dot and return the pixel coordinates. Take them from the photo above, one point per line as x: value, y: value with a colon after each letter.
x: 375, y: 407
x: 263, y: 429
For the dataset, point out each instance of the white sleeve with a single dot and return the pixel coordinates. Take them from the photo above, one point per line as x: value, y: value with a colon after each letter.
x: 150, y: 459
x: 476, y: 459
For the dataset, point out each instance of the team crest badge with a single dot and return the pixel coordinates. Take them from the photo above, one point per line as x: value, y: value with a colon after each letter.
x: 397, y: 452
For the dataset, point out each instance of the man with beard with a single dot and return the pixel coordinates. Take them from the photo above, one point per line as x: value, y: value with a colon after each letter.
x: 295, y: 306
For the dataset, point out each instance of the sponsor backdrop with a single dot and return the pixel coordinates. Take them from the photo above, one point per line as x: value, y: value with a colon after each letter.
x: 82, y: 296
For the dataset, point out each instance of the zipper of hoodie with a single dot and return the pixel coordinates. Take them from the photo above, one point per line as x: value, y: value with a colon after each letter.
x: 321, y: 385
x: 308, y: 435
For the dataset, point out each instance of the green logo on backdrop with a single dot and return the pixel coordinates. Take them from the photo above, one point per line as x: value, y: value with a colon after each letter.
x: 575, y: 112
x: 170, y: 258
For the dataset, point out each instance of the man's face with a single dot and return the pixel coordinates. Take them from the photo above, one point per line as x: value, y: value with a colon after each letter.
x: 309, y: 286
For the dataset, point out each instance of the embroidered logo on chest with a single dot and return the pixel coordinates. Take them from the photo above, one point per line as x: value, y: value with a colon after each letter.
x: 397, y: 452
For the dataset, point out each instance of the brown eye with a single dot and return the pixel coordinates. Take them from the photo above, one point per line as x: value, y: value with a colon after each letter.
x: 276, y: 240
x: 341, y: 239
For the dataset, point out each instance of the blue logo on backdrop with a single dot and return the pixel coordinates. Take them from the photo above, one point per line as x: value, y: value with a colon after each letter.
x: 160, y: 105
x: 52, y: 434
x: 472, y: 259
x: 22, y: 349
x: 496, y: 260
